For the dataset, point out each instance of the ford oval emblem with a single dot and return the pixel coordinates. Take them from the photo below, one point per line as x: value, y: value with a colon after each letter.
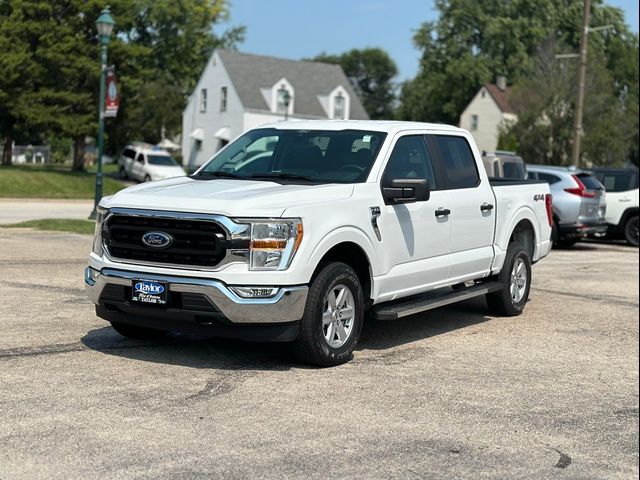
x: 157, y: 240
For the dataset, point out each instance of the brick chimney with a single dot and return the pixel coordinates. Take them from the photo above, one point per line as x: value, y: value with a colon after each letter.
x: 501, y: 82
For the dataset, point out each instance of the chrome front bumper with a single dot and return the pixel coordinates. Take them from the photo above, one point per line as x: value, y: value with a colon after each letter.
x: 286, y: 305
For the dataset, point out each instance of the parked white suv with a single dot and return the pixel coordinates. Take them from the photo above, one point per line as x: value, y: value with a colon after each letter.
x: 145, y: 163
x: 622, y: 201
x: 295, y: 229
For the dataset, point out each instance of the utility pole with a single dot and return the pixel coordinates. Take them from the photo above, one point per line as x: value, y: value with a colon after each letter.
x: 582, y: 73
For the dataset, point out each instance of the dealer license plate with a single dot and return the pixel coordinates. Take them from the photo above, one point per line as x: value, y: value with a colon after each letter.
x: 149, y: 291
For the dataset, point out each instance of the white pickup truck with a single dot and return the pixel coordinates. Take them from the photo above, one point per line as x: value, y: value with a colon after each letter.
x: 295, y: 230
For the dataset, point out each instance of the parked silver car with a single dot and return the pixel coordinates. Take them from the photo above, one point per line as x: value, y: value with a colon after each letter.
x: 579, y: 204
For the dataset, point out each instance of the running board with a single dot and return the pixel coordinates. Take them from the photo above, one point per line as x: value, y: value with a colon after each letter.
x: 431, y: 300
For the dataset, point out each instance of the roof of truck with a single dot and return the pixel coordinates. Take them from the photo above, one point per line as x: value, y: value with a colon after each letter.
x: 372, y: 125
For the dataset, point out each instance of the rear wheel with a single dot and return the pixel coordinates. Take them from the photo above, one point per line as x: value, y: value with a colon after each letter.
x: 566, y: 242
x: 631, y: 231
x: 516, y: 279
x: 147, y: 178
x: 134, y: 331
x: 123, y: 173
x: 333, y: 316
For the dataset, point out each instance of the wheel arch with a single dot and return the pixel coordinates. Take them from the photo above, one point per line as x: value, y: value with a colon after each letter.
x: 351, y: 253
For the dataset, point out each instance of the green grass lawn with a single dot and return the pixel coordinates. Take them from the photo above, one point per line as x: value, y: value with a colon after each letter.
x: 58, y: 225
x: 56, y: 181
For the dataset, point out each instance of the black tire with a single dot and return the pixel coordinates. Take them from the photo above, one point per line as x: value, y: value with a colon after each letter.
x: 134, y: 331
x: 123, y: 173
x: 311, y: 346
x: 631, y: 231
x: 502, y: 302
x: 147, y: 178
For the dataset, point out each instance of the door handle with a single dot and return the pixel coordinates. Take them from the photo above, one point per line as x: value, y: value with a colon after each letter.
x: 443, y: 212
x: 486, y: 207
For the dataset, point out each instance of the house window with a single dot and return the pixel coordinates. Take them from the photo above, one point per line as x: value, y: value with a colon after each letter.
x: 203, y: 100
x: 284, y: 99
x: 474, y: 122
x: 223, y: 99
x: 339, y: 103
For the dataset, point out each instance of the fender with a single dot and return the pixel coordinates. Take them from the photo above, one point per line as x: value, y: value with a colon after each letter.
x: 341, y: 235
x: 503, y: 235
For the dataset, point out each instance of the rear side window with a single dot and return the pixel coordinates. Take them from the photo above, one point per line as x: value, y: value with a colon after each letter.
x: 590, y: 181
x: 456, y: 160
x: 547, y: 177
x: 129, y: 153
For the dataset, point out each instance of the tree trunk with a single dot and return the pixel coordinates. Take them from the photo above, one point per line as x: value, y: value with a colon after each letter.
x: 7, y: 151
x: 78, y: 154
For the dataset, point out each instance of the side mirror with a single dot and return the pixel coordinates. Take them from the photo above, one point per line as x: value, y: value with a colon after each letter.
x: 406, y: 190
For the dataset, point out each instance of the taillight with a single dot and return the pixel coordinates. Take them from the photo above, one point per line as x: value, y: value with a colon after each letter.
x: 580, y: 190
x: 548, y: 202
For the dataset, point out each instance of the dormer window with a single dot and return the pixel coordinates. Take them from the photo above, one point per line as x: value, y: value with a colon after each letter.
x: 284, y: 99
x: 339, y: 104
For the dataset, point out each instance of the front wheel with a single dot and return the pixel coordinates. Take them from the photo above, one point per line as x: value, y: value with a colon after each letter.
x: 333, y: 316
x: 516, y: 279
x: 631, y: 231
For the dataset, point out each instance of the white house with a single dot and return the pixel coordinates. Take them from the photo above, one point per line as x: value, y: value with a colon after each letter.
x: 487, y: 112
x: 239, y: 91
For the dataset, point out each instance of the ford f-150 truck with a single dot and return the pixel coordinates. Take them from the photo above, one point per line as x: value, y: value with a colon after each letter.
x: 295, y: 230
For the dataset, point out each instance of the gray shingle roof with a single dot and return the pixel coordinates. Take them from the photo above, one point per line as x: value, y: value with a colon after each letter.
x: 251, y: 73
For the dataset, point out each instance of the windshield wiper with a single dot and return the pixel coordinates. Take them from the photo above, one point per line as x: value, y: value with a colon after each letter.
x: 220, y: 174
x: 283, y: 176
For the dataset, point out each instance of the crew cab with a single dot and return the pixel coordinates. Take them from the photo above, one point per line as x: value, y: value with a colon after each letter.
x: 294, y: 230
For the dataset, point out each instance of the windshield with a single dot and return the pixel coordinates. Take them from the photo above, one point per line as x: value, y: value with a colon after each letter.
x: 162, y: 160
x: 314, y: 156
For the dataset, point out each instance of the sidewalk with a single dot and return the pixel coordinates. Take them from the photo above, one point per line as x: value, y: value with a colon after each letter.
x: 14, y: 210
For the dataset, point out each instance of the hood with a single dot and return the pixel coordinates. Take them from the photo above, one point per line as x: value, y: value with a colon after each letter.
x: 230, y: 197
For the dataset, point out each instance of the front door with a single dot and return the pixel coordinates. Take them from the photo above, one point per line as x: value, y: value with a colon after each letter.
x: 415, y: 236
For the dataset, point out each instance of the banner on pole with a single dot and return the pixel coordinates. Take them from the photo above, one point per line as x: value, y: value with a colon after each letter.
x: 112, y: 102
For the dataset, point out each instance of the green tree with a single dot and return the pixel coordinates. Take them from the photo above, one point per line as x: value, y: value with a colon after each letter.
x: 50, y: 70
x: 472, y: 41
x: 371, y: 72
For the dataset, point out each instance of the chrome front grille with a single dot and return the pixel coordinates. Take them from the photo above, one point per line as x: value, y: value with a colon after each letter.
x: 197, y: 241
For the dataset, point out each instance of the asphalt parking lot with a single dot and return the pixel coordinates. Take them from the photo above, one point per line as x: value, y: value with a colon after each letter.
x: 454, y: 393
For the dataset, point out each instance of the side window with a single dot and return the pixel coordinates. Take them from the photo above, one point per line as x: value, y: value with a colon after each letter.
x: 128, y: 153
x: 140, y: 158
x: 409, y: 159
x: 549, y: 178
x: 456, y: 159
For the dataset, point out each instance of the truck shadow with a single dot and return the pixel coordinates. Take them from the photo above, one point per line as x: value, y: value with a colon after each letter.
x: 227, y: 354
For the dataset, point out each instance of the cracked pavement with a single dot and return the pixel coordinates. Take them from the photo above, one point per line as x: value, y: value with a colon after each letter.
x: 453, y: 393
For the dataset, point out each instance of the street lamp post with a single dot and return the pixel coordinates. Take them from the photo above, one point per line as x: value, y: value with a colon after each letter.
x: 104, y: 25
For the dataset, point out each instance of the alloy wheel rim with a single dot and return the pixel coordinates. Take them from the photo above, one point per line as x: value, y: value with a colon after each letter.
x: 518, y: 280
x: 338, y: 316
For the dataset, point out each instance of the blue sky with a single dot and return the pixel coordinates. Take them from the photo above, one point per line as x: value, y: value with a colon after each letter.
x: 303, y: 28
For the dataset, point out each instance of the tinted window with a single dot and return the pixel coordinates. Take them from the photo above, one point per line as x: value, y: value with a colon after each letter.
x: 514, y: 170
x: 162, y: 160
x: 590, y: 181
x: 547, y: 177
x: 457, y: 161
x: 321, y: 156
x: 618, y: 182
x: 409, y: 159
x: 129, y: 153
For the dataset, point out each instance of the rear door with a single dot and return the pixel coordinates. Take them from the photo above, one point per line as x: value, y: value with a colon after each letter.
x: 472, y: 205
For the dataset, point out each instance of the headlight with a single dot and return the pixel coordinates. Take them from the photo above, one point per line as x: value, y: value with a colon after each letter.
x: 274, y: 243
x: 97, y: 237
